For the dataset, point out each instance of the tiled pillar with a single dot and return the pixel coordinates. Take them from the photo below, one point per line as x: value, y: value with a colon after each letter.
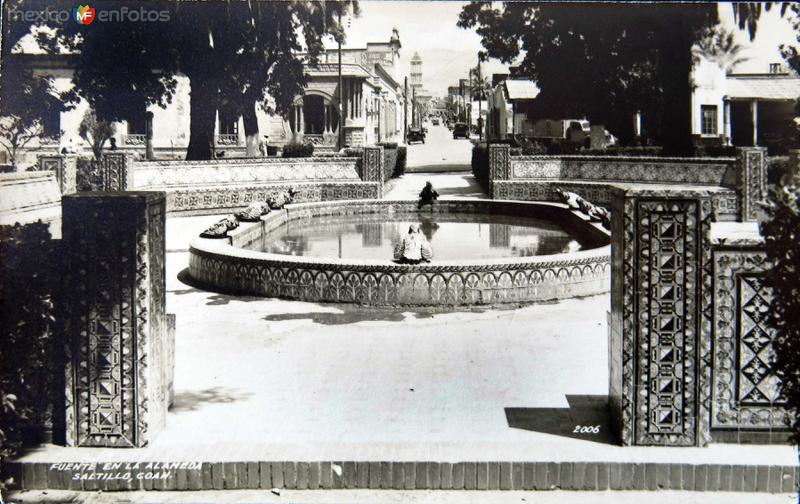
x: 499, y: 163
x: 117, y: 171
x: 661, y: 308
x: 116, y: 395
x: 751, y: 166
x: 372, y: 166
x: 65, y: 168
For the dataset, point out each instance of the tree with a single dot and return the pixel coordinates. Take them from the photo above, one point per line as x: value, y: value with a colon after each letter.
x: 25, y: 99
x: 720, y: 47
x: 606, y: 63
x: 95, y: 131
x: 234, y: 54
x: 782, y: 234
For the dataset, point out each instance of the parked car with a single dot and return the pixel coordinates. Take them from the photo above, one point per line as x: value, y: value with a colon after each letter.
x: 415, y: 135
x: 460, y: 130
x: 435, y: 121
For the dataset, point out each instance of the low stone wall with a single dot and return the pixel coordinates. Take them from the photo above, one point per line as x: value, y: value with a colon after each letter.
x: 30, y: 196
x: 693, y: 171
x: 726, y: 202
x: 742, y: 179
x: 149, y: 175
x: 195, y: 187
x: 227, y: 267
x: 746, y: 404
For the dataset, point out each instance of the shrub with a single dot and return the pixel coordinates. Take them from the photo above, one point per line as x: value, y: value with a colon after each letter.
x: 30, y: 355
x: 88, y: 176
x: 480, y: 164
x: 400, y: 163
x: 777, y: 169
x: 298, y: 150
x: 782, y: 234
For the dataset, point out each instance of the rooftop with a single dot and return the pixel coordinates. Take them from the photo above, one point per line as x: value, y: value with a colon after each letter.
x: 521, y: 89
x: 763, y: 86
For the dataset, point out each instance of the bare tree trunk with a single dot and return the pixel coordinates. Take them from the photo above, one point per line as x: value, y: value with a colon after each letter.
x: 202, y: 110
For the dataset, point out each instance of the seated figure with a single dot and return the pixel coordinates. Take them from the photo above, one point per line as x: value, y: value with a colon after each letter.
x: 278, y: 200
x: 253, y: 212
x: 427, y: 196
x: 413, y: 248
x: 221, y: 228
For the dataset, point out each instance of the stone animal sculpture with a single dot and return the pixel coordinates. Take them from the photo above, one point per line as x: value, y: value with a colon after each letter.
x: 570, y: 198
x: 253, y: 212
x: 220, y: 229
x: 278, y: 200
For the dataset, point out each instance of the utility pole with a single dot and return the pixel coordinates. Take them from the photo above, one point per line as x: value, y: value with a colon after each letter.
x: 480, y: 102
x: 414, y: 106
x: 469, y: 108
x: 341, y: 96
x: 405, y: 110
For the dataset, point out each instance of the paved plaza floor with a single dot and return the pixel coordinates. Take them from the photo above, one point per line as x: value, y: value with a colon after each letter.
x: 269, y: 379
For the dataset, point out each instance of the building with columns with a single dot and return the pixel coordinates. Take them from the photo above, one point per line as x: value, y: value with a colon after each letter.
x: 372, y: 107
x: 744, y: 109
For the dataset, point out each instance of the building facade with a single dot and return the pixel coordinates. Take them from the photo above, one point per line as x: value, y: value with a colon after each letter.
x: 371, y: 98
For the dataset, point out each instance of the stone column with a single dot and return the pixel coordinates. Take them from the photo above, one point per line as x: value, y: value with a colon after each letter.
x: 726, y: 120
x: 661, y: 307
x: 751, y: 167
x: 754, y: 115
x: 499, y: 164
x: 116, y: 392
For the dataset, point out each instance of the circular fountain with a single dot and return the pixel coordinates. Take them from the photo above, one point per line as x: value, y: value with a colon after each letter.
x: 485, y: 252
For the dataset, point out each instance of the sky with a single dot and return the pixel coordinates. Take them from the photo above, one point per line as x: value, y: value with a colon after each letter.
x: 447, y: 51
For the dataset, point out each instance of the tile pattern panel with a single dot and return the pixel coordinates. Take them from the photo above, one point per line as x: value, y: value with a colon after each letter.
x: 665, y: 313
x: 746, y: 396
x: 115, y: 375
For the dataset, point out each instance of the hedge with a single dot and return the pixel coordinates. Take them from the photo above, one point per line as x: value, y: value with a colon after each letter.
x: 31, y: 352
x: 480, y: 165
x: 298, y: 150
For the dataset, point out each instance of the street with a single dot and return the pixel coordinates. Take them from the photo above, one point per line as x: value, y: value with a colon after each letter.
x: 440, y: 152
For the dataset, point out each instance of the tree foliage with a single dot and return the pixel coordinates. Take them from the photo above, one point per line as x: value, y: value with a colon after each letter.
x: 782, y: 235
x: 235, y: 55
x: 96, y: 132
x: 606, y: 63
x: 26, y: 99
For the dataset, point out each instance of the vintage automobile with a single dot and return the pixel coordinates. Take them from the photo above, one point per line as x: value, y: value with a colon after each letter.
x: 460, y: 130
x: 415, y: 135
x: 435, y: 121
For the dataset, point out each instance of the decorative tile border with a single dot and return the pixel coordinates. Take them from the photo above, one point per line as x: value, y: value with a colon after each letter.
x: 745, y: 395
x: 384, y: 283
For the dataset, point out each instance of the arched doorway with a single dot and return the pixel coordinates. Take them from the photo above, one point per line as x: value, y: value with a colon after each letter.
x: 316, y: 118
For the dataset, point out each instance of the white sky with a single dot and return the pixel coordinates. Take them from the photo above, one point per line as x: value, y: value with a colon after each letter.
x: 447, y: 51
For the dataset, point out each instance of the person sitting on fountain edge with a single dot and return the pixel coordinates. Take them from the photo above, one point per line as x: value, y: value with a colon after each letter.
x: 413, y: 248
x: 427, y: 196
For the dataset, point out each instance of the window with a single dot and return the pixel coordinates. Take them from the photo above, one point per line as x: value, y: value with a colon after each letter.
x: 137, y: 121
x: 228, y: 123
x: 51, y: 124
x: 708, y: 115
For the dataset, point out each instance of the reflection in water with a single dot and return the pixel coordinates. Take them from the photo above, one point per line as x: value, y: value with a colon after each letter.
x: 452, y: 236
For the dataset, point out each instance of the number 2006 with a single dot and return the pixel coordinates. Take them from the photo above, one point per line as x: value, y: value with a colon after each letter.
x: 587, y: 429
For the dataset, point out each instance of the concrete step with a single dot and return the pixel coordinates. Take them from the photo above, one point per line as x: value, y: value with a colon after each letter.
x: 399, y: 475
